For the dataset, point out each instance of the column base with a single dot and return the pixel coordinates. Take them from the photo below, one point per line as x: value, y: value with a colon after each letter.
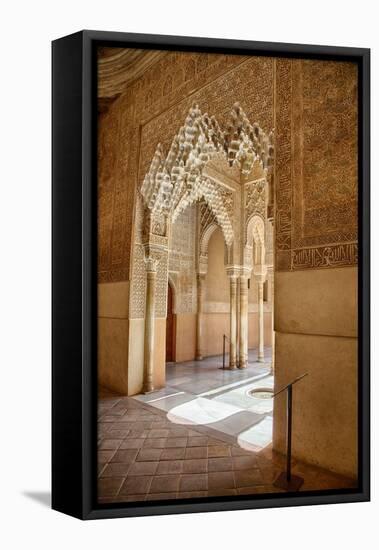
x: 261, y: 360
x: 148, y: 389
x: 231, y: 367
x: 199, y: 358
x: 242, y: 365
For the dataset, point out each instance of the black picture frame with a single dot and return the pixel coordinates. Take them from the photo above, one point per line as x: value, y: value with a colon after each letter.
x: 74, y: 296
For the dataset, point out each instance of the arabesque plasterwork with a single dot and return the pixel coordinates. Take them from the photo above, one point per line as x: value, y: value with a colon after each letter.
x: 315, y: 176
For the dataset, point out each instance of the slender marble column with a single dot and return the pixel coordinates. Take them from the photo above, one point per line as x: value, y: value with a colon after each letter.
x: 233, y: 322
x: 243, y: 335
x: 151, y: 274
x: 272, y: 326
x: 199, y: 316
x: 261, y: 357
x: 238, y: 329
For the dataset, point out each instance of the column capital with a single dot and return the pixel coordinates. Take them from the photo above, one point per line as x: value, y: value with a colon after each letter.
x: 152, y: 257
x: 151, y: 265
x: 233, y: 271
x: 245, y: 272
x: 260, y: 273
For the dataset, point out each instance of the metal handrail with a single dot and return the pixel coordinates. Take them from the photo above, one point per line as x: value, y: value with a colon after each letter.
x: 285, y: 479
x: 290, y: 384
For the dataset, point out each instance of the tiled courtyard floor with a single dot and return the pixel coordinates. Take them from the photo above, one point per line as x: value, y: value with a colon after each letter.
x: 202, y: 393
x: 144, y: 456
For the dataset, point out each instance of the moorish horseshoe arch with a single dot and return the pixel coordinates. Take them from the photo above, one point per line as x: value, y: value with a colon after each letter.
x: 176, y: 181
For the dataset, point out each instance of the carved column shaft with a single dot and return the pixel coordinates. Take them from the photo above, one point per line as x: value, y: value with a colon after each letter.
x: 151, y: 275
x: 233, y: 323
x: 199, y: 317
x: 272, y: 326
x: 244, y: 326
x: 260, y: 323
x: 238, y: 321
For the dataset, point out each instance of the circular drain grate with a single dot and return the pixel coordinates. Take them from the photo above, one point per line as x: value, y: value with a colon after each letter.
x: 261, y: 393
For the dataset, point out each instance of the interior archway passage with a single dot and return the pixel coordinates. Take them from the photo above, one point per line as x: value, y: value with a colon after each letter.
x: 278, y: 145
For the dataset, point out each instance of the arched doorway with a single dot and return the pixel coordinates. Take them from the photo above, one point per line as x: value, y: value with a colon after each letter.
x: 170, y: 326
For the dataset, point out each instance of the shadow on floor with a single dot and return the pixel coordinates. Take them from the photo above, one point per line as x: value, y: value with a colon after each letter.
x: 41, y: 497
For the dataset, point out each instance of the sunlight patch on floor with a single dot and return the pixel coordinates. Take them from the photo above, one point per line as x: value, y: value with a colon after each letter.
x: 239, y: 397
x: 227, y: 412
x: 201, y: 411
x: 257, y: 437
x: 233, y: 385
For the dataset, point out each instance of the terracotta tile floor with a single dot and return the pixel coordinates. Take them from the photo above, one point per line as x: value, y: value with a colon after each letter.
x: 144, y: 456
x: 204, y: 393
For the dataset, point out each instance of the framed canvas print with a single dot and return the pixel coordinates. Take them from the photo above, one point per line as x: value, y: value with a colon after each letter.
x: 210, y: 274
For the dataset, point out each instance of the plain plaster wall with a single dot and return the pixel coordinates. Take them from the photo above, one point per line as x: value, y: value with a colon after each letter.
x: 121, y: 342
x: 113, y: 328
x: 216, y: 281
x: 185, y: 345
x: 316, y: 332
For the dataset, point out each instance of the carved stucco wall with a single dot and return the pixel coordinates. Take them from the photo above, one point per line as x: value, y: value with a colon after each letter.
x: 117, y: 169
x: 312, y: 107
x: 150, y: 111
x: 316, y: 164
x: 316, y: 260
x: 182, y: 255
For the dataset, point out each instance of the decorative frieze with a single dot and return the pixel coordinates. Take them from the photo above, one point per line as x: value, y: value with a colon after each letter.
x: 325, y: 256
